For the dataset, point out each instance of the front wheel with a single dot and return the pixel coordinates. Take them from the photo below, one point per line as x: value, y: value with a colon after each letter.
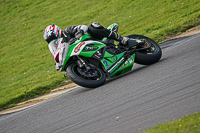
x: 92, y: 78
x: 147, y: 56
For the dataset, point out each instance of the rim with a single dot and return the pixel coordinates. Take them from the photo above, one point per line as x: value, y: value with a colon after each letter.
x: 93, y: 74
x: 152, y: 49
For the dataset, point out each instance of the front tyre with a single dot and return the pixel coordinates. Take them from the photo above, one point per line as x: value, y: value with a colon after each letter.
x: 147, y: 56
x: 90, y: 79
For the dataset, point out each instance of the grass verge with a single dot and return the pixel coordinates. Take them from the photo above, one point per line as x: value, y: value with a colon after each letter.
x: 188, y: 124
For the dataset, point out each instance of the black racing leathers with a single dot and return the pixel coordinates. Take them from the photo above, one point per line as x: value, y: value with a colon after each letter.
x: 95, y: 30
x: 98, y: 31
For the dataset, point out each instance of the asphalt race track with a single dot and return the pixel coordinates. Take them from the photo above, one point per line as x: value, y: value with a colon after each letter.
x: 162, y: 92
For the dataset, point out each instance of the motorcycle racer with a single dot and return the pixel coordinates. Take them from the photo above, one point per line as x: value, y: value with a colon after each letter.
x: 52, y: 32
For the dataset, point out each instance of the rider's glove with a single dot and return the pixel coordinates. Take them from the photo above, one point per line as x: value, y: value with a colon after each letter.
x: 73, y: 30
x: 79, y: 33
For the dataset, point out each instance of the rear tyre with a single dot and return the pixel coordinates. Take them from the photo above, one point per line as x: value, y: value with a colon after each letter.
x: 147, y: 56
x: 90, y: 79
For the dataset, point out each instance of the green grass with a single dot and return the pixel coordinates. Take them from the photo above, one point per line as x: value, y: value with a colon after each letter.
x: 188, y: 124
x: 27, y: 68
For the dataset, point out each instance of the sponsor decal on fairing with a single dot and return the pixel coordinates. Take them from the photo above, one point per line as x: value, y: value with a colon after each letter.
x: 77, y: 48
x: 80, y: 46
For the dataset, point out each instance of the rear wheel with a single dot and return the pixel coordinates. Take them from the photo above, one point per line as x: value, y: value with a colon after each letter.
x: 147, y: 56
x: 92, y: 78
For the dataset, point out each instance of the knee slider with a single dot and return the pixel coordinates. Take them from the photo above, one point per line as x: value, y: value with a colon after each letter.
x: 97, y: 25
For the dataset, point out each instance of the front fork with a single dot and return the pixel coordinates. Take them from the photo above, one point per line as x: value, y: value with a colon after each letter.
x: 81, y: 63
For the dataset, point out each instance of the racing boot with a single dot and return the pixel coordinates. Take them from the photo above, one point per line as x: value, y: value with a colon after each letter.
x: 119, y: 38
x: 113, y: 35
x: 113, y: 27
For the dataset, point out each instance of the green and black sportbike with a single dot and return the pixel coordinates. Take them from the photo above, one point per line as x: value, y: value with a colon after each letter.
x: 89, y: 62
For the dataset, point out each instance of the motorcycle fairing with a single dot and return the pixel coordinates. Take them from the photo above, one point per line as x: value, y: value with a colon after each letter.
x: 126, y: 66
x: 121, y: 65
x: 114, y: 65
x: 78, y: 48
